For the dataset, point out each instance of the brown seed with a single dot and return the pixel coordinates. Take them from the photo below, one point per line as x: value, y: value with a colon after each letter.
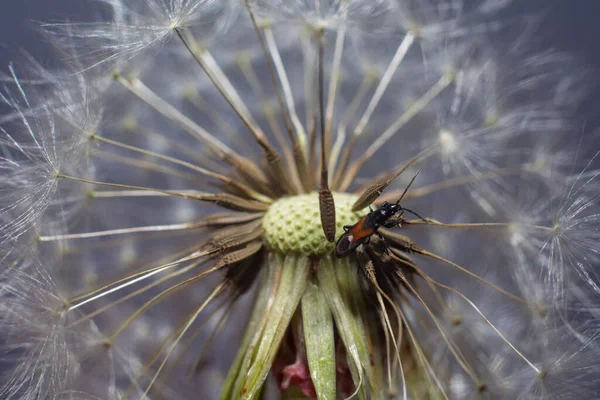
x: 238, y: 255
x: 369, y: 195
x: 235, y: 230
x: 226, y: 244
x: 242, y: 275
x: 327, y: 208
x: 369, y: 270
x: 277, y: 172
x: 220, y: 219
x: 249, y: 171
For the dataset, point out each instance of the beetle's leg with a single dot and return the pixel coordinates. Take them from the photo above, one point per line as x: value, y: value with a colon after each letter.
x: 394, y: 221
x: 383, y: 243
x: 391, y: 224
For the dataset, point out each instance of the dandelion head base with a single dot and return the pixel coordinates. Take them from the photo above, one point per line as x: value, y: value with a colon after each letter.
x: 293, y: 224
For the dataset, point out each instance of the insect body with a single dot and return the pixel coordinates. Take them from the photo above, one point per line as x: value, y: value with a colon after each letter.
x: 361, y: 232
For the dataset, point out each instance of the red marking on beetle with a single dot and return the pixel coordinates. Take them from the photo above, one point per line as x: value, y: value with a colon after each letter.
x: 354, y: 235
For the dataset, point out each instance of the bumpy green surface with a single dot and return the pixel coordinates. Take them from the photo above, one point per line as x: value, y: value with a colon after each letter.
x: 293, y: 224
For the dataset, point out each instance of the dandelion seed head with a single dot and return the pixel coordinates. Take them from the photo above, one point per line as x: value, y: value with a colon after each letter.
x: 448, y: 142
x: 34, y: 315
x: 199, y: 159
x: 293, y: 224
x: 43, y: 139
x: 137, y: 26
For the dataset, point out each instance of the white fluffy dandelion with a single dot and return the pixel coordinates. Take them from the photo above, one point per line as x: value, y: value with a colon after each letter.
x: 204, y: 203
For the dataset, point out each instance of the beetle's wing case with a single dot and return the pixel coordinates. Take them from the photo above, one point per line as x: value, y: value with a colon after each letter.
x: 343, y: 246
x: 356, y: 235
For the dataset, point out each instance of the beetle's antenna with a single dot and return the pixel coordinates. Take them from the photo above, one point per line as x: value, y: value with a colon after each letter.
x: 406, y: 190
x: 415, y: 214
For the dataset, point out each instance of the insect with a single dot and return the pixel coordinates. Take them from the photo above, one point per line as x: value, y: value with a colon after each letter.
x: 361, y: 232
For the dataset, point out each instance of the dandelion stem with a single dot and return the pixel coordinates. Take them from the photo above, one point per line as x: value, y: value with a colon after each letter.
x: 454, y: 182
x: 297, y: 139
x: 165, y: 343
x: 395, y: 342
x: 184, y: 194
x: 202, y: 157
x: 138, y: 292
x: 138, y: 188
x: 368, y: 270
x: 460, y: 358
x: 244, y: 166
x: 217, y: 291
x: 93, y: 245
x: 224, y: 127
x: 334, y: 79
x: 311, y: 89
x: 123, y: 231
x: 285, y: 85
x: 189, y: 251
x: 208, y: 341
x: 225, y: 200
x: 326, y: 202
x: 324, y: 133
x: 245, y: 66
x: 155, y: 299
x: 364, y: 87
x: 130, y: 280
x: 273, y: 73
x: 132, y: 193
x: 384, y: 82
x: 220, y: 77
x: 415, y: 108
x: 422, y: 358
x: 145, y: 165
x: 222, y: 84
x: 136, y: 87
x: 238, y: 185
x: 487, y: 321
x: 507, y: 225
x: 466, y: 271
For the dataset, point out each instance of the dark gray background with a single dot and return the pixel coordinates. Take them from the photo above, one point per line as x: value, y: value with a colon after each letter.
x: 571, y: 25
x: 18, y: 20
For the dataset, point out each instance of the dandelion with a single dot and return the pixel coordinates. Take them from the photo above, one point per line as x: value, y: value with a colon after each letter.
x: 297, y: 199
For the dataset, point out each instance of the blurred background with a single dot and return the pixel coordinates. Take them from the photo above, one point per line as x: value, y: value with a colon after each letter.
x: 568, y: 25
x: 565, y: 25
